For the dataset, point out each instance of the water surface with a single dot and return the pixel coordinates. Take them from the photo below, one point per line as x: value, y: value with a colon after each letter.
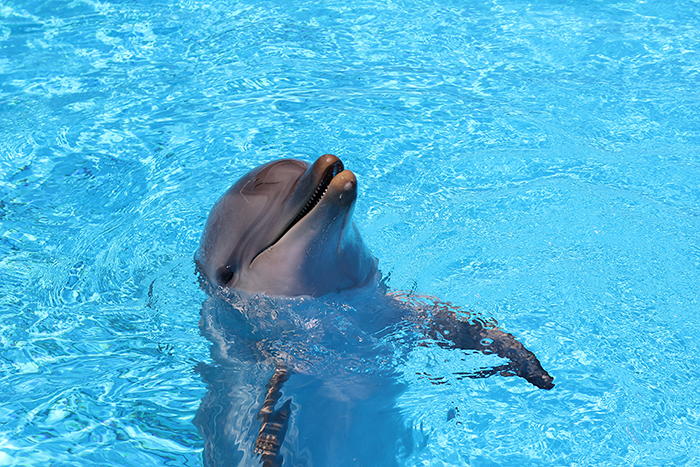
x: 536, y: 163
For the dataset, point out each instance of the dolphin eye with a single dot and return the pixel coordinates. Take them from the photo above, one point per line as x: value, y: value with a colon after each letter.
x: 224, y: 275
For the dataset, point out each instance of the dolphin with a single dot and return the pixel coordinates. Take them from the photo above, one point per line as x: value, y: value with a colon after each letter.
x: 286, y: 271
x: 285, y: 229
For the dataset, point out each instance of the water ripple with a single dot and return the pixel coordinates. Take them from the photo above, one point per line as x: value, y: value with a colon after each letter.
x: 538, y: 161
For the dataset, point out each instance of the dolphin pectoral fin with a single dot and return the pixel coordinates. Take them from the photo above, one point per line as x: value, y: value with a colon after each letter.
x: 272, y: 432
x: 273, y: 423
x: 503, y: 370
x: 449, y: 331
x: 441, y: 323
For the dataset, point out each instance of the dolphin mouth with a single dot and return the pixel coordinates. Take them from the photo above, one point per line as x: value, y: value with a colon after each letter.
x: 321, y: 188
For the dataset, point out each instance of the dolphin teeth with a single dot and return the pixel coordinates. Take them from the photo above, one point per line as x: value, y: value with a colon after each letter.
x: 318, y: 193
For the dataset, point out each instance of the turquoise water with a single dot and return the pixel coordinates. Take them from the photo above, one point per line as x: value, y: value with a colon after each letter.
x: 536, y: 163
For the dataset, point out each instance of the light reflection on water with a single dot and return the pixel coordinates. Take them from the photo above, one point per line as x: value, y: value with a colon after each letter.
x: 535, y: 163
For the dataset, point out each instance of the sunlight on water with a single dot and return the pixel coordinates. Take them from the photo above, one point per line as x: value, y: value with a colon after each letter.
x: 535, y: 163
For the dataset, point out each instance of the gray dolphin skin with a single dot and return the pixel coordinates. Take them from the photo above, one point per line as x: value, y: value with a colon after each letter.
x: 306, y: 336
x: 285, y: 229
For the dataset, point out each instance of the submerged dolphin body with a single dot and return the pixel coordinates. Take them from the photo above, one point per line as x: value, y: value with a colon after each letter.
x: 282, y: 232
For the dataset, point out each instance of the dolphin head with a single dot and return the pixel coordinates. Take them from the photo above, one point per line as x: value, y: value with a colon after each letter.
x: 285, y: 229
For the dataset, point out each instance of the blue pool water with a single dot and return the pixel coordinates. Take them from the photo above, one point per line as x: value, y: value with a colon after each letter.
x: 538, y: 163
